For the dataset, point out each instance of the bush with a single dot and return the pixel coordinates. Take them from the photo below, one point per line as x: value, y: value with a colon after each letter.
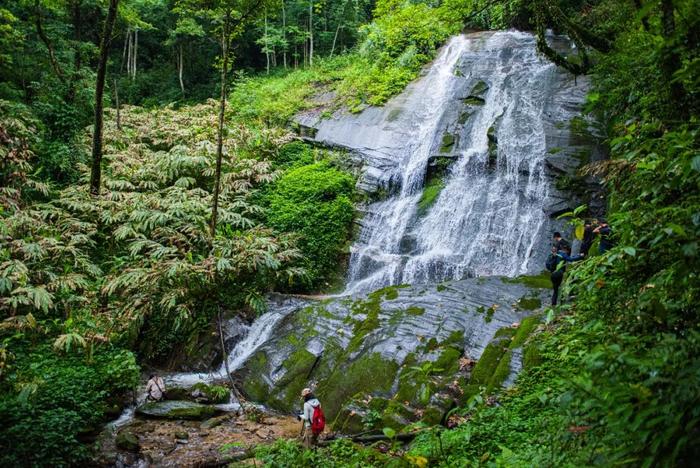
x: 50, y: 403
x: 315, y: 202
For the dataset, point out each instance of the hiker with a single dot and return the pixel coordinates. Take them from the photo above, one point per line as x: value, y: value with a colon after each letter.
x: 155, y: 388
x: 605, y: 233
x: 313, y: 418
x: 561, y: 244
x: 556, y: 263
x: 588, y: 237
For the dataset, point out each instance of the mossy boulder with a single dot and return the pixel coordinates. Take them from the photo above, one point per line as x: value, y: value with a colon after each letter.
x: 127, y: 440
x: 214, y: 422
x: 176, y: 410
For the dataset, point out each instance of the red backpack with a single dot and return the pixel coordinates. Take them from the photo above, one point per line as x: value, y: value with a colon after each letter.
x: 318, y: 421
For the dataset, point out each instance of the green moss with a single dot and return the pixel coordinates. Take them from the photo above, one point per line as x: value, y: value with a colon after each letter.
x: 448, y: 361
x: 527, y: 325
x: 479, y: 89
x: 487, y: 364
x: 415, y: 311
x: 501, y: 372
x: 464, y: 116
x: 505, y: 332
x: 253, y: 386
x: 555, y: 150
x: 529, y: 302
x: 474, y: 101
x: 540, y: 281
x: 531, y: 356
x: 368, y: 374
x: 430, y: 193
x: 440, y: 287
x: 298, y: 368
x: 448, y: 142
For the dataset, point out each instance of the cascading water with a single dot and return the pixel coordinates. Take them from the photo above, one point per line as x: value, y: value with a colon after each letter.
x: 254, y: 336
x: 489, y: 216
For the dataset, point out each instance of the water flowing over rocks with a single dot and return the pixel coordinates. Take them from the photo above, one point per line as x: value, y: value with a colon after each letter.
x: 501, y: 115
x: 367, y: 346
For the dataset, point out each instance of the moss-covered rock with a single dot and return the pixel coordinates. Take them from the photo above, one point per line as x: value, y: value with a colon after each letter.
x: 448, y: 142
x: 127, y: 440
x: 176, y: 410
x: 369, y: 374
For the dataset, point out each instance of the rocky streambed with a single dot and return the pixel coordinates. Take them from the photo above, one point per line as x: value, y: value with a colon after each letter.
x: 213, y: 441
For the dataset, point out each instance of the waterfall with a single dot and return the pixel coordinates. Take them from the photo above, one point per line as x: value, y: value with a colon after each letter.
x: 490, y: 215
x: 255, y: 335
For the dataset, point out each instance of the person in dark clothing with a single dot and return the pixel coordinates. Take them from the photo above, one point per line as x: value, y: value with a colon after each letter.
x: 561, y: 244
x: 556, y: 263
x: 588, y: 237
x: 605, y: 233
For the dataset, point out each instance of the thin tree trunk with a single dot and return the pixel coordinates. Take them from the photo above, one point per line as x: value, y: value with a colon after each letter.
x: 180, y: 67
x: 335, y: 38
x: 284, y: 36
x: 267, y: 48
x: 125, y: 57
x: 311, y: 33
x: 220, y: 131
x: 136, y: 51
x: 44, y: 38
x: 96, y: 172
x: 116, y: 101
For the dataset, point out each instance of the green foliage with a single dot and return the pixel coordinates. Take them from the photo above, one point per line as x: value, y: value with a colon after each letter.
x: 315, y: 201
x: 50, y: 402
x: 340, y: 453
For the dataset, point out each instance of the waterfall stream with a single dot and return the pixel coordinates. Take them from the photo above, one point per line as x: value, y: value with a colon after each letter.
x: 489, y: 216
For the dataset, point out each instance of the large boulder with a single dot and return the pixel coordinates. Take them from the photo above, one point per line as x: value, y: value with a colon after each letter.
x: 397, y: 345
x: 177, y: 410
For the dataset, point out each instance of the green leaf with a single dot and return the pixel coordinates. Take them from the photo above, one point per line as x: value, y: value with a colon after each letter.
x: 389, y: 432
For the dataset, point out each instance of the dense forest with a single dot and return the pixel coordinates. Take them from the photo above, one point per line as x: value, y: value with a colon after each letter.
x: 152, y: 181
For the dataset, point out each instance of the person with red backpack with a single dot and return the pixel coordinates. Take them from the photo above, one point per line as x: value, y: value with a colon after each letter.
x: 313, y: 417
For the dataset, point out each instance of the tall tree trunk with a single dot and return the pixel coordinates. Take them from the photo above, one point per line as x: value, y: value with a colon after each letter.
x: 127, y: 47
x: 311, y: 33
x: 136, y: 50
x: 267, y: 48
x: 335, y: 38
x: 96, y: 172
x: 220, y: 130
x: 284, y: 36
x: 180, y: 67
x: 116, y: 102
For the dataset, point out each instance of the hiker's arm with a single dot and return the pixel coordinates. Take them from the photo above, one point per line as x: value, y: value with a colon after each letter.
x: 308, y: 413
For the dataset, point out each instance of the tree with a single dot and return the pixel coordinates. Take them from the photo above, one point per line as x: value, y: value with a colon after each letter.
x: 106, y: 41
x: 229, y: 19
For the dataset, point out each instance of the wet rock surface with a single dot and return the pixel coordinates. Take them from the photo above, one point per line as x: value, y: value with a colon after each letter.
x: 404, y: 343
x: 176, y: 409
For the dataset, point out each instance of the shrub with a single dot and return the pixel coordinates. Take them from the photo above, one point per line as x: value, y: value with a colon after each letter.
x: 315, y: 202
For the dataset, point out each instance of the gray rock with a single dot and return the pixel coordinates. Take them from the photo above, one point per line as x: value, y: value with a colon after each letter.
x: 176, y: 410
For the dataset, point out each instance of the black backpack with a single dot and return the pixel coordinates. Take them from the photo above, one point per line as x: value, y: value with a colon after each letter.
x: 552, y: 263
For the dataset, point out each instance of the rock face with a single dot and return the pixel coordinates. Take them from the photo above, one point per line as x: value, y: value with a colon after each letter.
x: 173, y: 409
x: 399, y: 344
x: 508, y: 119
